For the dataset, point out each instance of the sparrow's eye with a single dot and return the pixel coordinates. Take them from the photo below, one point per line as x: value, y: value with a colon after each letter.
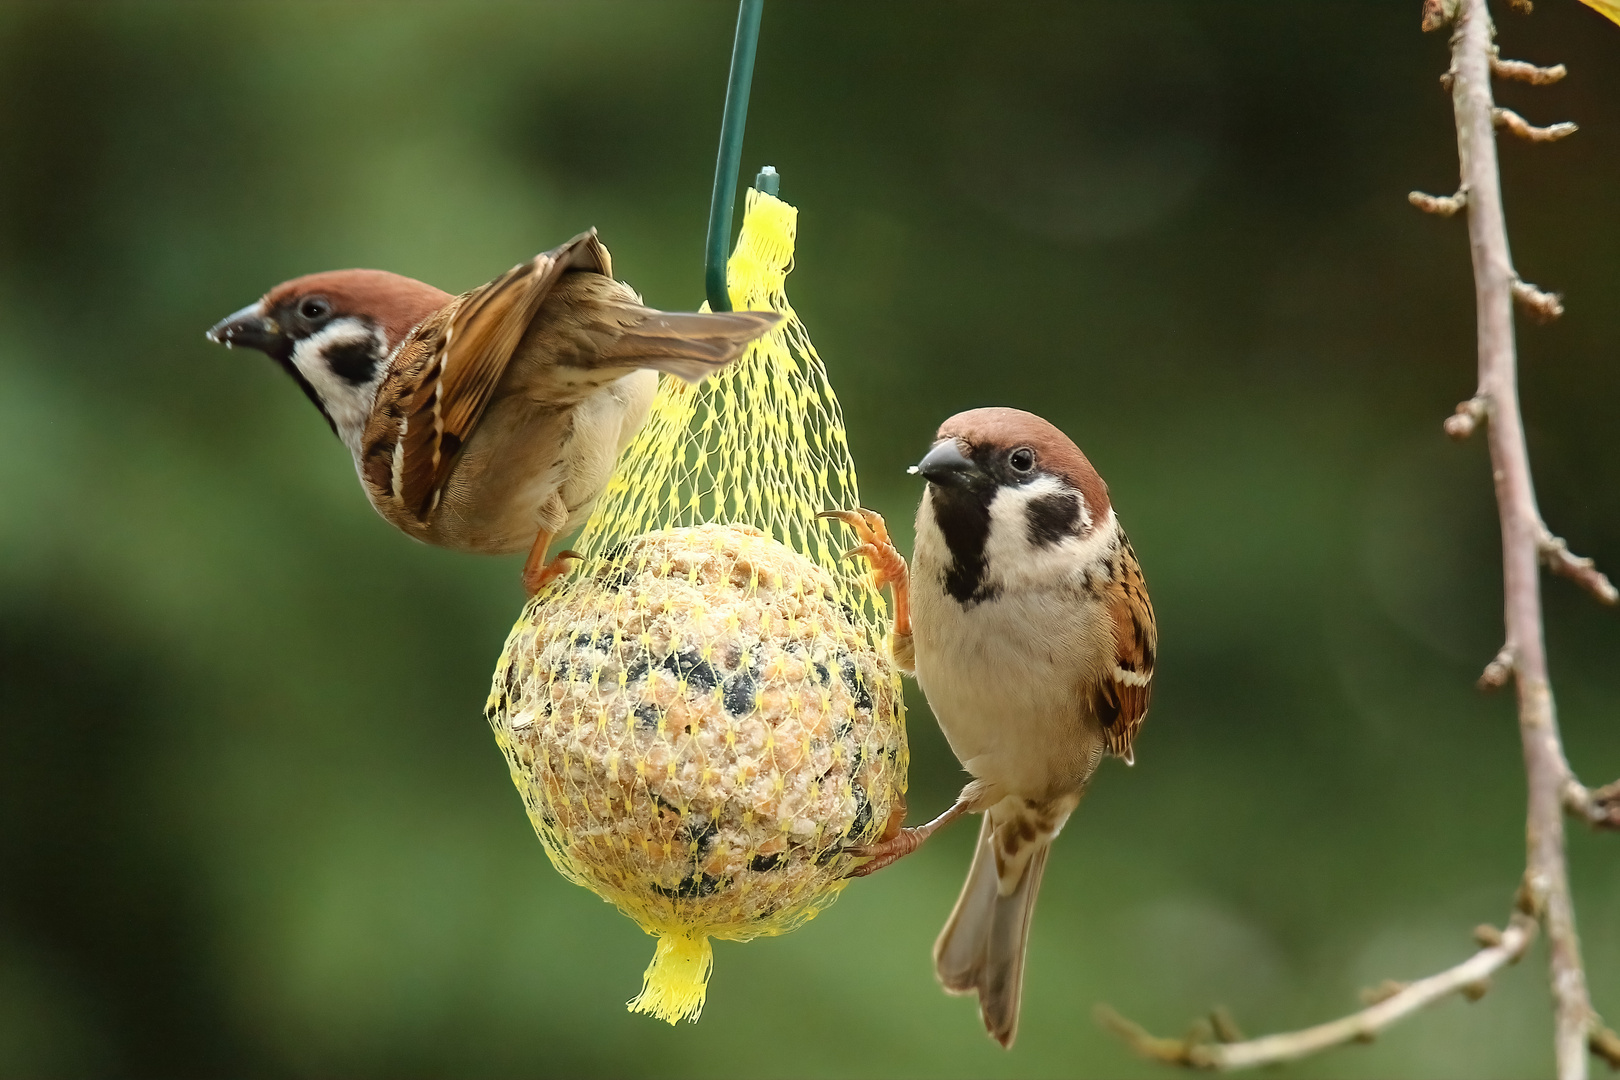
x: 314, y: 308
x: 1022, y: 459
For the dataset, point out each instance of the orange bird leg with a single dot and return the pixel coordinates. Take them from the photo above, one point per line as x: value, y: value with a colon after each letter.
x: 888, y: 566
x: 896, y: 846
x: 537, y: 572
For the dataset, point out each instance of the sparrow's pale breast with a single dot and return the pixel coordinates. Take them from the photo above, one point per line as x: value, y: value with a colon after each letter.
x: 1004, y: 673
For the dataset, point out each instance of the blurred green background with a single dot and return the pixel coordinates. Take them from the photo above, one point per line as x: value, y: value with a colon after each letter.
x: 252, y: 822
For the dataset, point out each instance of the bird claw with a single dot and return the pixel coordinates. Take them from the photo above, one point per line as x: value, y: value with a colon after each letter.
x: 888, y: 566
x: 536, y: 582
x: 885, y: 852
x: 868, y: 524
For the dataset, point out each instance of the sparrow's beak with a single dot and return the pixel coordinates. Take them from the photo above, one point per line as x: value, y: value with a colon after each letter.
x: 944, y: 465
x: 250, y: 328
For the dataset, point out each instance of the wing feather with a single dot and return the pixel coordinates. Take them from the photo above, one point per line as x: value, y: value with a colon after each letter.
x: 461, y: 355
x: 1122, y: 695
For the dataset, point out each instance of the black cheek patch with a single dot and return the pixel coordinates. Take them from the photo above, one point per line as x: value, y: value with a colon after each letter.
x: 1053, y: 518
x: 354, y: 362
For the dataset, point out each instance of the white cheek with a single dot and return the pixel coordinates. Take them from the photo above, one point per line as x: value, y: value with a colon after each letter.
x: 1015, y: 560
x: 349, y: 405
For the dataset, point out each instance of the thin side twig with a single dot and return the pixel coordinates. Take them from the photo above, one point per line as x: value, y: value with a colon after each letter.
x: 1583, y: 571
x: 1606, y: 1045
x: 1543, y: 307
x: 1443, y: 205
x: 1598, y: 807
x: 1524, y: 129
x: 1527, y: 73
x: 1469, y: 978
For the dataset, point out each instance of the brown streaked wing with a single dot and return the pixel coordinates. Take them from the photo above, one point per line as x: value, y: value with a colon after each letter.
x: 1121, y: 697
x: 467, y: 354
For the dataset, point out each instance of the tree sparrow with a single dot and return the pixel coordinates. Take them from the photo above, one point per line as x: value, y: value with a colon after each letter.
x: 489, y: 421
x: 1028, y: 626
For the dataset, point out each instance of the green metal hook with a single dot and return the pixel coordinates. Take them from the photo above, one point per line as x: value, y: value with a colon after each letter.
x: 732, y: 123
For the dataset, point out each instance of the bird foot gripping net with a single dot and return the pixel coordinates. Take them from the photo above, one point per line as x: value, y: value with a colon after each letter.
x: 705, y: 716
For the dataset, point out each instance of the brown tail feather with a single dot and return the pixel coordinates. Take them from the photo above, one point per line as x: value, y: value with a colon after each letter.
x: 689, y: 346
x: 981, y: 950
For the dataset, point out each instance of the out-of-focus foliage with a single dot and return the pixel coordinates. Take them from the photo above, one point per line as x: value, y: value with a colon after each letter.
x: 251, y: 819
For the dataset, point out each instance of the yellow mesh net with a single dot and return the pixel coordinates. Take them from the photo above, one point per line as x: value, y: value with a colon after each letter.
x: 705, y: 715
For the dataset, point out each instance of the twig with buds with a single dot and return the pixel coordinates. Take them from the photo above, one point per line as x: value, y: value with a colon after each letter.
x: 1555, y: 553
x: 1391, y: 1002
x: 1544, y: 901
x: 1598, y: 807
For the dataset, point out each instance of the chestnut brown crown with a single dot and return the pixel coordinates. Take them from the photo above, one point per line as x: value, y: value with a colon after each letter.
x: 1001, y: 428
x: 393, y: 302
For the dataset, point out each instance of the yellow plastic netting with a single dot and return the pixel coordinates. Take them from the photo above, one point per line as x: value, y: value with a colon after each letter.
x: 705, y: 715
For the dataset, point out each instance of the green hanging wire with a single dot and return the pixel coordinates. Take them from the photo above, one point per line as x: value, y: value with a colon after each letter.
x: 723, y: 201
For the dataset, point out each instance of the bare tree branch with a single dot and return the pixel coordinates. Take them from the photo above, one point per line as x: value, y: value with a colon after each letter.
x: 1546, y: 873
x: 1544, y: 896
x: 1396, y: 1002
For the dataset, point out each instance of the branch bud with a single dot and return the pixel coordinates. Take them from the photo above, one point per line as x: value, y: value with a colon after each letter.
x: 1557, y: 557
x: 1525, y: 130
x: 1444, y: 205
x: 1438, y: 13
x: 1498, y: 671
x: 1531, y: 899
x: 1528, y: 73
x: 1224, y: 1027
x: 1543, y: 307
x: 1460, y: 424
x: 1385, y: 990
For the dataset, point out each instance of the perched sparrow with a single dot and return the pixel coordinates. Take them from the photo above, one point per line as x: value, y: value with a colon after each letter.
x: 1028, y: 626
x: 488, y: 421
